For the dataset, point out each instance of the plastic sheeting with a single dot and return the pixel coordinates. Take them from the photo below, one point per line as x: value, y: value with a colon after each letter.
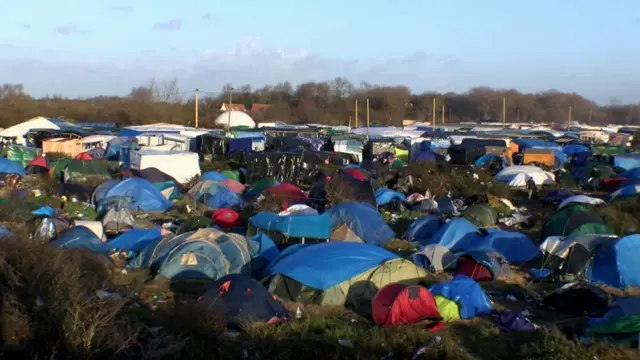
x: 324, y: 265
x: 299, y: 226
x: 10, y: 167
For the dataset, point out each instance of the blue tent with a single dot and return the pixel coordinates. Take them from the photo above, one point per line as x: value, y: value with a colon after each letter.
x: 617, y: 263
x: 199, y: 255
x: 264, y: 252
x: 79, y: 237
x: 466, y: 293
x: 141, y: 194
x: 451, y: 233
x: 100, y: 192
x: 422, y: 228
x: 135, y: 240
x: 624, y: 192
x: 298, y: 226
x: 514, y: 246
x: 627, y: 161
x: 572, y: 149
x: 632, y: 174
x: 212, y: 175
x: 215, y: 195
x: 486, y: 159
x: 362, y: 219
x: 324, y: 265
x: 385, y: 196
x: 10, y: 167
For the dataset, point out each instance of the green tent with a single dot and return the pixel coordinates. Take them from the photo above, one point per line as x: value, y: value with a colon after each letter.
x: 21, y: 154
x: 262, y: 185
x: 397, y: 164
x: 622, y: 330
x: 482, y: 215
x: 88, y: 172
x: 232, y: 174
x: 449, y: 310
x: 575, y: 219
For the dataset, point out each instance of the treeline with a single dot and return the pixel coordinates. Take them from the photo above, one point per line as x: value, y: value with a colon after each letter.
x: 331, y: 102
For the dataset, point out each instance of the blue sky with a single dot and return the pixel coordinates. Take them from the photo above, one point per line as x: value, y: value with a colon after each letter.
x: 86, y: 48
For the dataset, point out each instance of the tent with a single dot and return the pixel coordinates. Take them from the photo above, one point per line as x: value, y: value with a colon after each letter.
x: 140, y: 194
x: 514, y: 246
x: 100, y: 192
x: 398, y: 304
x: 287, y: 193
x: 21, y: 154
x: 215, y: 195
x: 233, y: 185
x: 466, y: 293
x: 481, y: 215
x: 422, y: 228
x: 135, y: 240
x: 243, y: 301
x: 449, y: 310
x: 264, y: 252
x: 295, y: 226
x: 212, y: 175
x: 226, y: 219
x: 624, y: 192
x: 574, y: 220
x: 434, y: 257
x: 351, y: 221
x: 83, y: 156
x: 39, y: 165
x: 261, y: 185
x: 482, y: 265
x: 385, y: 196
x: 450, y: 233
x: 10, y: 167
x: 86, y: 172
x: 615, y: 263
x: 580, y: 199
x: 79, y: 237
x: 518, y: 176
x: 338, y: 273
x: 205, y: 254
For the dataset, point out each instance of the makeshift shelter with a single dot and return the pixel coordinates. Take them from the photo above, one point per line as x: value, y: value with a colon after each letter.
x: 181, y: 165
x: 293, y: 226
x: 449, y: 310
x: 615, y: 263
x: 260, y: 185
x: 571, y: 255
x: 10, y: 167
x: 359, y: 222
x: 514, y: 246
x: 140, y: 194
x: 434, y: 257
x: 519, y: 176
x: 243, y: 301
x: 205, y: 254
x: 20, y: 154
x: 482, y: 265
x: 339, y: 273
x: 574, y: 220
x: 79, y: 237
x: 466, y: 293
x: 398, y: 304
x: 215, y: 195
x: 86, y: 172
x: 286, y: 193
x: 621, y: 323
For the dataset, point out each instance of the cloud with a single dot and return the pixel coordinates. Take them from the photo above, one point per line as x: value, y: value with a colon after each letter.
x: 208, y: 17
x: 68, y: 29
x: 250, y: 62
x: 122, y: 8
x: 173, y: 24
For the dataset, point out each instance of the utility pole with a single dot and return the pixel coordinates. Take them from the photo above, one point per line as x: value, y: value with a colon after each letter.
x: 443, y: 113
x: 368, y: 118
x: 569, y: 118
x: 518, y: 115
x: 504, y: 112
x: 356, y: 113
x: 230, y: 108
x: 433, y: 112
x: 196, y: 105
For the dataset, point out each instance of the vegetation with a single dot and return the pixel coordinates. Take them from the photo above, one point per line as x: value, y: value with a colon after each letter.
x: 331, y: 102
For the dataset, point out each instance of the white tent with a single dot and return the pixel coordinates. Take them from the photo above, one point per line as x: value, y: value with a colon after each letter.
x: 20, y: 130
x: 235, y: 118
x: 181, y: 165
x: 518, y: 176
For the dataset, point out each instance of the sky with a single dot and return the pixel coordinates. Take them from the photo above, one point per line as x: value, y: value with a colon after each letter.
x: 80, y: 48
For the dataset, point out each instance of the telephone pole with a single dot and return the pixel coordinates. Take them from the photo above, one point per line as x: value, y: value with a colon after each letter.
x: 433, y: 112
x: 356, y: 113
x: 504, y: 112
x: 569, y: 118
x: 367, y: 118
x: 443, y: 113
x: 230, y: 108
x: 196, y: 105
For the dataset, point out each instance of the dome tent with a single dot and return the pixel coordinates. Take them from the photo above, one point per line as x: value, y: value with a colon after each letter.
x: 235, y: 118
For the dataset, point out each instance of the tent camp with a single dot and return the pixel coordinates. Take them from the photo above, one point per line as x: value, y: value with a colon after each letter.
x: 574, y: 219
x: 19, y: 131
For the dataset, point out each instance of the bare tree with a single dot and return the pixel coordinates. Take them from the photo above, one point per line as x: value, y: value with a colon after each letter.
x: 11, y: 90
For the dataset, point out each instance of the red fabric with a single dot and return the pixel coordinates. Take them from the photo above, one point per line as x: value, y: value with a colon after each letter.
x: 437, y: 327
x: 226, y: 218
x: 287, y: 192
x: 356, y: 174
x: 469, y: 267
x: 394, y: 305
x: 614, y: 183
x: 39, y: 161
x: 233, y: 185
x: 84, y: 156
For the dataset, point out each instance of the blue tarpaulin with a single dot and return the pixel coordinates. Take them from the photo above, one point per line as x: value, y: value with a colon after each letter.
x: 362, y: 219
x: 627, y: 161
x: 299, y: 226
x: 324, y: 265
x: 385, y: 196
x: 212, y: 175
x: 10, y: 167
x: 45, y: 211
x: 239, y: 145
x: 466, y: 293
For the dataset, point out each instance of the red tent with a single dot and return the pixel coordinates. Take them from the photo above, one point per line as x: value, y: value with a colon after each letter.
x: 39, y: 161
x: 226, y: 218
x: 614, y: 183
x: 398, y: 304
x: 287, y: 193
x: 356, y: 174
x: 84, y: 156
x: 468, y: 266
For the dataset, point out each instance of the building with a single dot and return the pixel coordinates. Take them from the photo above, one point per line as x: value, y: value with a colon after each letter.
x: 233, y: 107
